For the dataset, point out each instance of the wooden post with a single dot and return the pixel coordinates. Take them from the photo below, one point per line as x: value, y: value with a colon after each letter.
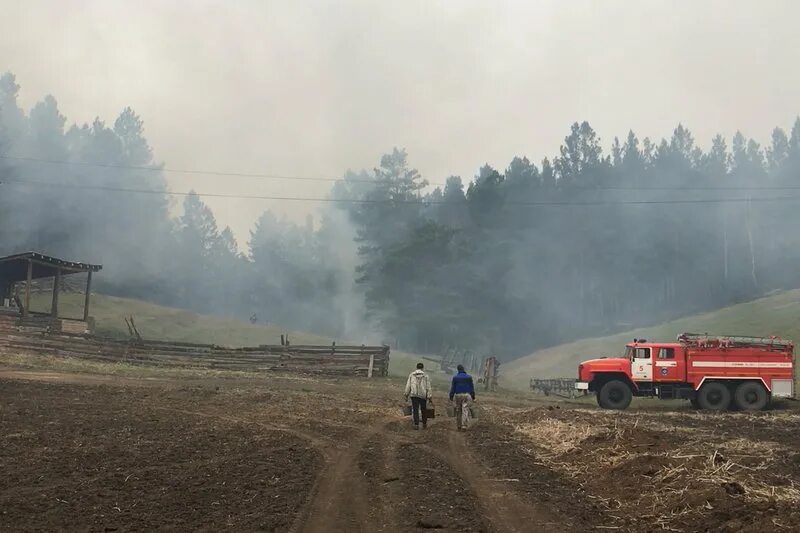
x: 371, y: 364
x: 88, y: 296
x: 27, y: 308
x: 56, y: 290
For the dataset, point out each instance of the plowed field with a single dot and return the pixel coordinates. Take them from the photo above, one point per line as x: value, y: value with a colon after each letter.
x: 100, y: 453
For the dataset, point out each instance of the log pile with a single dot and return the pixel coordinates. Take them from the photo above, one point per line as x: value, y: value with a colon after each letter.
x: 324, y: 360
x: 564, y: 387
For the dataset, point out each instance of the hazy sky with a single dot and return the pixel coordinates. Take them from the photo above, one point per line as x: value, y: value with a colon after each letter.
x: 314, y: 88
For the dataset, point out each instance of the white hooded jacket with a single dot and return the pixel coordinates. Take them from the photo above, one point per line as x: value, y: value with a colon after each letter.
x: 418, y: 385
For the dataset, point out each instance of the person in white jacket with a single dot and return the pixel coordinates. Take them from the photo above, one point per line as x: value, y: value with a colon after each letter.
x: 418, y: 388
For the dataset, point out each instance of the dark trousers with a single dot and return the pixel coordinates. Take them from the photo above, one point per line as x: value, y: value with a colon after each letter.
x: 418, y: 404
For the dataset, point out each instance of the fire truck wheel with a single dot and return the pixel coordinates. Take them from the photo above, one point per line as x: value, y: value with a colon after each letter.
x: 615, y: 395
x: 714, y: 396
x: 751, y: 396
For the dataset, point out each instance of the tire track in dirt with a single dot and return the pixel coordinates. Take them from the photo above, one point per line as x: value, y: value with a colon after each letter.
x: 339, y: 500
x: 385, y: 477
x: 501, y: 454
x: 392, y: 492
x: 414, y: 488
x: 500, y: 503
x: 383, y: 474
x: 322, y: 510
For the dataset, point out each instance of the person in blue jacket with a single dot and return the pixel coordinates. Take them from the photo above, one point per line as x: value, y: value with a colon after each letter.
x: 462, y: 393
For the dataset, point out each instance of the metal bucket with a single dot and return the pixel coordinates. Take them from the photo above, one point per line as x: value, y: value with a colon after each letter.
x: 451, y: 410
x: 406, y: 410
x: 473, y: 412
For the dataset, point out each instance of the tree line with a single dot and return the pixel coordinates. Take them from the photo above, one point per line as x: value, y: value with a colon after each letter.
x: 584, y: 244
x: 510, y: 260
x: 154, y: 246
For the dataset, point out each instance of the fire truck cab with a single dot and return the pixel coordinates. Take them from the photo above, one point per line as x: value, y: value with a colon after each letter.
x: 712, y: 372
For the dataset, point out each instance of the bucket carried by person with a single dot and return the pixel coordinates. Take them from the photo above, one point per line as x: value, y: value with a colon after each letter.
x: 430, y: 410
x: 473, y: 412
x: 451, y: 410
x: 406, y: 410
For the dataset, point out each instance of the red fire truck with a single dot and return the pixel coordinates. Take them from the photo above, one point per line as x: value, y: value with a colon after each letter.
x: 712, y: 372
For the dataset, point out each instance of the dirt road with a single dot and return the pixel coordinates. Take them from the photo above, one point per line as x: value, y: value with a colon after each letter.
x: 303, y: 455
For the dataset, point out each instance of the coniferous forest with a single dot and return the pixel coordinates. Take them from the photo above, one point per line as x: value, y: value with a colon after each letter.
x: 604, y: 235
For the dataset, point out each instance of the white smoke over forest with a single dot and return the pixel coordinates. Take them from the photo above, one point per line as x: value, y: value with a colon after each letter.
x: 587, y: 241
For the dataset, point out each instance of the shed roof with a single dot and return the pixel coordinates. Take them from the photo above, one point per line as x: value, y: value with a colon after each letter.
x: 15, y: 267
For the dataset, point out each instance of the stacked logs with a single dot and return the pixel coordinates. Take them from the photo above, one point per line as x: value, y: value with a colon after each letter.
x: 564, y: 387
x: 325, y: 360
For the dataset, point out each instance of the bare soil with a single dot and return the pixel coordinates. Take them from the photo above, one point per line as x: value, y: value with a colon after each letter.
x: 104, y: 453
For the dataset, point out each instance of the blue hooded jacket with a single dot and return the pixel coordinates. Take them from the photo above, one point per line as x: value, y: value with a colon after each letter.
x: 462, y: 384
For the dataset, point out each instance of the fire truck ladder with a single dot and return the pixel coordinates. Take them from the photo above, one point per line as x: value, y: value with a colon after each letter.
x: 704, y: 339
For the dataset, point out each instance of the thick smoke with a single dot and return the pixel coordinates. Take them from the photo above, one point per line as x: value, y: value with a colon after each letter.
x: 586, y: 242
x: 66, y: 191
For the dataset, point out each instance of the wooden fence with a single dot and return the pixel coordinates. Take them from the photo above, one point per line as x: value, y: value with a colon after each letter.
x: 327, y: 360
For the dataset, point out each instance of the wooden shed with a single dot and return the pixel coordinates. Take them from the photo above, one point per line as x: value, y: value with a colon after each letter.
x: 27, y: 267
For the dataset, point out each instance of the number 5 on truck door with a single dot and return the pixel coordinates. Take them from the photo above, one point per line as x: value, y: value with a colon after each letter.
x: 642, y: 364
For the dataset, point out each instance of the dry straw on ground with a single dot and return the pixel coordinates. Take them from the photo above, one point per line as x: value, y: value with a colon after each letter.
x: 692, y: 464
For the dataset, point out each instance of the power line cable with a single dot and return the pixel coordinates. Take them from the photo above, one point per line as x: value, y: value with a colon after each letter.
x: 390, y: 201
x: 371, y: 180
x: 191, y: 171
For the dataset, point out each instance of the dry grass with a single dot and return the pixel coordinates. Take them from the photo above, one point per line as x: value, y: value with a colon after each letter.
x: 691, y: 464
x: 557, y: 437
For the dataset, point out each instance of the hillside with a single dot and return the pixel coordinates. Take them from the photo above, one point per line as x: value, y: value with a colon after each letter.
x: 159, y: 322
x: 778, y: 314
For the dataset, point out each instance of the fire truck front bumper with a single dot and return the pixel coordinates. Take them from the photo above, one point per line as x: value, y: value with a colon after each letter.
x: 582, y: 385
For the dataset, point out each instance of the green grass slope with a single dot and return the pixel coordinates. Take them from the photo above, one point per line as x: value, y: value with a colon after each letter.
x: 777, y: 314
x: 167, y: 323
x: 159, y: 322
